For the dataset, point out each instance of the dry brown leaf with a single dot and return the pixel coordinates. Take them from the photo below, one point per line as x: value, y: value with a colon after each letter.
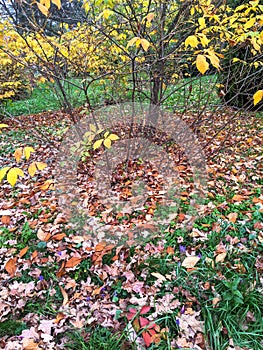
x: 190, y: 261
x: 10, y: 266
x: 65, y: 296
x: 29, y: 344
x: 58, y: 236
x: 42, y: 235
x: 23, y: 251
x: 232, y: 217
x: 74, y: 261
x: 239, y: 198
x: 5, y: 219
x: 100, y: 246
x: 220, y: 257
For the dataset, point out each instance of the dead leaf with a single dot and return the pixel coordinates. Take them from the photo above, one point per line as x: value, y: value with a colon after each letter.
x: 72, y: 262
x: 232, y: 217
x: 158, y: 276
x: 190, y: 262
x: 23, y: 251
x: 65, y: 296
x: 59, y: 236
x: 5, y: 219
x: 220, y: 257
x: 10, y: 266
x: 42, y: 235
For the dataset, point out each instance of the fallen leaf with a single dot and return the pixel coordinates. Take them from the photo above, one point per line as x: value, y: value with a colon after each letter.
x: 10, y: 266
x: 23, y: 251
x: 72, y: 262
x: 232, y: 217
x: 190, y: 261
x: 158, y: 276
x: 65, y: 296
x: 220, y: 257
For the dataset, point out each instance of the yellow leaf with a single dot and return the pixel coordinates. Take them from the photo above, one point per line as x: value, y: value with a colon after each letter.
x: 145, y: 44
x: 42, y: 9
x: 106, y: 134
x: 27, y: 151
x: 257, y: 97
x: 18, y: 154
x: 19, y: 172
x: 97, y: 144
x: 113, y: 137
x: 48, y: 184
x: 250, y: 23
x: 202, y: 64
x: 57, y: 3
x: 106, y: 13
x: 3, y: 126
x: 107, y: 143
x: 12, y: 177
x: 261, y: 36
x: 86, y: 6
x: 204, y: 40
x: 41, y: 165
x: 32, y: 169
x: 213, y: 59
x: 132, y: 41
x: 191, y: 41
x: 190, y: 261
x: 201, y: 22
x: 3, y: 171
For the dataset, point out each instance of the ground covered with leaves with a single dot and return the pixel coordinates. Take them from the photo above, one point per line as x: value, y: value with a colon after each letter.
x: 197, y: 284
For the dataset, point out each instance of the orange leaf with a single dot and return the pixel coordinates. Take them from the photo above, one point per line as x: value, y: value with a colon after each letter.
x: 58, y: 236
x: 10, y: 266
x: 60, y: 316
x: 239, y: 198
x: 23, y: 251
x: 100, y: 246
x: 74, y: 261
x: 170, y: 250
x: 18, y: 154
x: 5, y: 219
x: 232, y: 217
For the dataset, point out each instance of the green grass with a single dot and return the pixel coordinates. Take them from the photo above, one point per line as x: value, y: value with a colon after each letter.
x: 45, y: 97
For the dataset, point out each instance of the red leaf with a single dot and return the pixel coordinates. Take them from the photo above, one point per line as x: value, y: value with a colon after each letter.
x: 145, y: 309
x: 144, y: 322
x: 147, y: 338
